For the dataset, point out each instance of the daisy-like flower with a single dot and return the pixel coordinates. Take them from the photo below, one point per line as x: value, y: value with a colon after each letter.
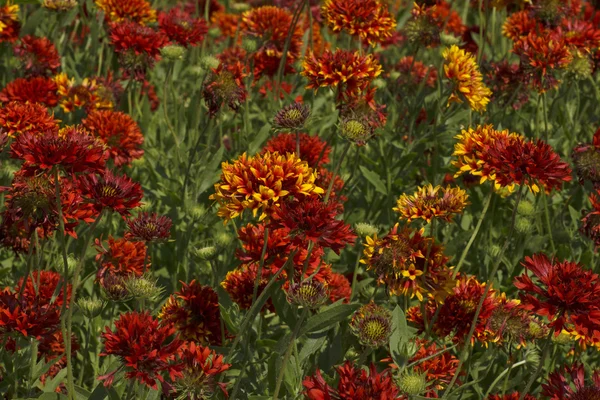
x: 258, y: 183
x: 511, y: 323
x: 118, y: 193
x: 38, y: 55
x: 339, y: 287
x: 270, y: 26
x: 139, y: 11
x: 310, y: 219
x: 227, y: 23
x: 430, y: 202
x: 348, y: 72
x: 372, y: 325
x: 150, y: 227
x: 119, y: 132
x: 569, y: 383
x: 201, y: 369
x: 122, y: 258
x: 146, y: 349
x: 72, y: 148
x: 239, y: 284
x: 542, y: 56
x: 370, y: 20
x: 438, y: 369
x: 195, y: 314
x: 590, y: 223
x: 354, y: 383
x: 181, y: 27
x: 563, y: 292
x: 456, y: 313
x: 37, y: 89
x: 461, y: 69
x: 519, y: 24
x: 314, y: 150
x: 9, y: 22
x: 400, y: 261
x: 17, y: 118
x: 225, y: 86
x: 138, y: 47
x: 90, y: 94
x: 309, y: 294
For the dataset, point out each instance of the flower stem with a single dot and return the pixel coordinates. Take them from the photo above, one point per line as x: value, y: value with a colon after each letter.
x: 165, y: 104
x: 288, y: 353
x: 260, y: 265
x: 336, y: 170
x: 499, y: 378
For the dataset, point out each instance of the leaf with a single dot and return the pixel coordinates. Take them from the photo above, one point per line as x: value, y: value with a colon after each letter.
x: 259, y: 139
x: 51, y: 384
x: 328, y: 317
x: 212, y: 172
x: 401, y: 335
x: 374, y: 179
x: 311, y: 346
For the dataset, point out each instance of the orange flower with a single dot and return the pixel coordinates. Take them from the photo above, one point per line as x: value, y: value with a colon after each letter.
x: 139, y: 11
x: 348, y: 71
x: 370, y: 20
x: 17, y: 118
x: 88, y: 94
x: 9, y: 22
x: 430, y: 202
x: 460, y: 67
x: 227, y: 23
x: 259, y: 182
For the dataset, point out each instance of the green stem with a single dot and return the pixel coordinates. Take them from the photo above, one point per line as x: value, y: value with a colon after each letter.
x: 260, y: 265
x: 540, y: 367
x: 548, y: 225
x: 499, y: 378
x: 288, y: 353
x: 336, y: 170
x: 363, y: 356
x: 286, y: 48
x: 354, y: 273
x: 165, y: 104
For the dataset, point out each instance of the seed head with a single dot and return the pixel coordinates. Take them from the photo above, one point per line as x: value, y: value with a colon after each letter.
x: 309, y: 294
x: 372, y: 325
x: 292, y: 117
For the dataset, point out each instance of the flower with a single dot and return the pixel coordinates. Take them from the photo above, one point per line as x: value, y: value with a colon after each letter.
x: 586, y: 158
x: 227, y: 23
x: 519, y: 24
x: 239, y: 284
x: 72, y: 148
x: 505, y: 80
x: 9, y: 22
x: 542, y: 55
x: 90, y: 94
x: 511, y: 323
x: 564, y: 292
x: 439, y: 368
x: 590, y: 223
x: 181, y: 27
x: 150, y: 227
x: 428, y: 22
x: 455, y: 315
x: 17, y: 117
x: 568, y: 383
x: 461, y: 69
x: 119, y: 132
x: 353, y: 383
x: 314, y: 150
x: 138, y: 46
x: 349, y: 72
x: 139, y: 11
x: 201, y: 369
x: 38, y: 55
x: 414, y: 73
x: 292, y: 117
x: 37, y: 89
x: 312, y: 220
x: 429, y: 203
x: 370, y: 20
x: 339, y: 287
x: 194, y: 312
x: 309, y: 294
x: 59, y: 5
x: 122, y: 259
x: 372, y: 325
x: 144, y: 347
x: 270, y: 26
x: 225, y: 85
x: 118, y: 193
x: 510, y: 396
x: 257, y: 183
x: 401, y: 259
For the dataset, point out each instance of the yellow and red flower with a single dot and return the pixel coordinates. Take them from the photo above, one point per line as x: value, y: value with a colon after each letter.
x: 461, y: 69
x: 90, y: 94
x: 430, y: 202
x: 9, y: 22
x: 139, y: 11
x: 258, y: 183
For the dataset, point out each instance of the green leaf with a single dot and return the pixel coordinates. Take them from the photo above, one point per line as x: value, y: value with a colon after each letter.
x: 259, y: 139
x: 328, y: 317
x: 374, y: 179
x: 311, y: 346
x: 52, y: 384
x: 401, y: 335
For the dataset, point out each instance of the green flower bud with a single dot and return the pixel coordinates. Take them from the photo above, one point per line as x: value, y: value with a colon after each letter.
x: 413, y: 384
x: 90, y: 307
x: 494, y: 250
x: 206, y: 253
x: 223, y: 239
x: 448, y: 40
x: 523, y: 225
x: 240, y: 7
x: 364, y: 229
x: 143, y: 287
x: 209, y: 62
x: 172, y: 52
x: 526, y: 208
x: 380, y: 83
x: 249, y: 44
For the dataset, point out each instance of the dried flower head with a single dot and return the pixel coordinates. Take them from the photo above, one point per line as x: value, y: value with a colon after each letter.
x: 292, y: 117
x: 372, y: 325
x: 429, y: 203
x: 225, y: 86
x: 309, y: 294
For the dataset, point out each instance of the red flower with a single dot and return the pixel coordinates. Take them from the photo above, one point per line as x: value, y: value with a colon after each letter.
x: 590, y: 223
x: 138, y: 46
x: 38, y: 55
x: 314, y: 150
x: 201, y: 368
x: 316, y: 388
x: 9, y: 22
x: 181, y: 27
x: 270, y: 26
x: 312, y: 220
x: 194, y: 312
x: 17, y: 118
x: 37, y: 89
x: 439, y: 369
x: 144, y: 347
x: 239, y: 284
x: 119, y: 132
x: 225, y: 86
x: 72, y: 148
x: 569, y: 384
x: 150, y: 227
x: 413, y: 73
x: 338, y: 287
x: 511, y: 396
x: 506, y: 79
x: 564, y: 291
x: 123, y: 258
x: 118, y: 193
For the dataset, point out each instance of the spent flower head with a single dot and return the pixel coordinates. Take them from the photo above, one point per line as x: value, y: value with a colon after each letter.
x: 309, y: 294
x: 292, y: 117
x: 372, y: 325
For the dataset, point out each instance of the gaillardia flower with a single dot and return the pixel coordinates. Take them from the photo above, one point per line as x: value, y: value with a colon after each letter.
x: 314, y: 150
x: 258, y: 183
x: 309, y: 294
x: 123, y: 258
x: 181, y: 27
x: 348, y: 72
x: 114, y: 192
x: 590, y: 223
x: 409, y: 264
x: 225, y: 86
x: 372, y: 325
x: 292, y: 117
x: 150, y: 227
x: 461, y: 69
x: 370, y: 20
x: 201, y: 369
x: 37, y: 89
x: 9, y: 22
x: 38, y: 55
x: 429, y: 203
x: 569, y: 383
x: 17, y: 118
x: 139, y: 11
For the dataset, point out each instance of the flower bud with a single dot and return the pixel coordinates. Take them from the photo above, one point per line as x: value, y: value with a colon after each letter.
x: 526, y: 208
x: 309, y: 294
x: 143, y: 287
x: 356, y: 130
x: 412, y: 384
x: 523, y: 225
x: 448, y: 40
x: 364, y: 229
x: 249, y: 44
x: 223, y: 239
x: 90, y: 307
x: 209, y: 62
x: 206, y: 252
x: 172, y: 52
